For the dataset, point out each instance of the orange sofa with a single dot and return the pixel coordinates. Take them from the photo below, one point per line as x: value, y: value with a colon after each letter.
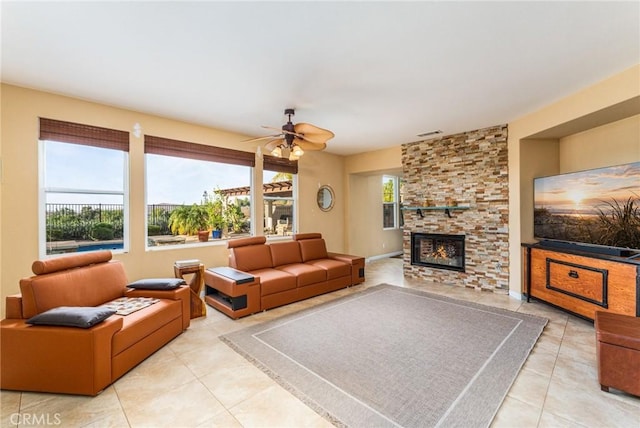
x: 63, y: 359
x: 264, y: 276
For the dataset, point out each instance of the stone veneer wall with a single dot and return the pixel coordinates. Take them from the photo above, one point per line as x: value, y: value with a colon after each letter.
x: 467, y: 169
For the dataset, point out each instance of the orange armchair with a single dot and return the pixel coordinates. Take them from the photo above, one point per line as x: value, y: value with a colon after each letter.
x: 52, y: 358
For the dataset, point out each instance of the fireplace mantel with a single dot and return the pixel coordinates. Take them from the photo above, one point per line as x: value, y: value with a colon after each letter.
x: 447, y: 209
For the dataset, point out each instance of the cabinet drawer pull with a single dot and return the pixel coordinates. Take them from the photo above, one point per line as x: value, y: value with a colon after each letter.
x: 573, y: 274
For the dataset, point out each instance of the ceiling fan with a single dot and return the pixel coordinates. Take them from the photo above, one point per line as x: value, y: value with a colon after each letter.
x: 295, y: 138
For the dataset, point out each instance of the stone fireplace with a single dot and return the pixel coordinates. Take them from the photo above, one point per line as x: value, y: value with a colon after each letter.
x: 437, y: 250
x: 458, y: 185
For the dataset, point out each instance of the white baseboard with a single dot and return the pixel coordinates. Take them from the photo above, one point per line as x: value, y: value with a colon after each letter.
x: 516, y: 295
x: 383, y: 256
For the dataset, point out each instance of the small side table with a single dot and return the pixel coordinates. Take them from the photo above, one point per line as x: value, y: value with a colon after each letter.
x: 198, y: 308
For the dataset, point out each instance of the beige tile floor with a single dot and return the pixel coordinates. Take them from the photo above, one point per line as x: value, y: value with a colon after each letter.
x: 197, y: 381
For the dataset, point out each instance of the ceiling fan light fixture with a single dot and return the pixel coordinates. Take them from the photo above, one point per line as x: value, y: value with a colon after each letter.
x: 292, y: 137
x: 297, y: 151
x: 293, y: 157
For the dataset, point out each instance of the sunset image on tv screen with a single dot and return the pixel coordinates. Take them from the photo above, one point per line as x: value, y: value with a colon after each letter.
x: 599, y: 206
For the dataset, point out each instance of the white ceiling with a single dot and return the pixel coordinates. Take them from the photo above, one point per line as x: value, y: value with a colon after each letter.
x: 375, y: 73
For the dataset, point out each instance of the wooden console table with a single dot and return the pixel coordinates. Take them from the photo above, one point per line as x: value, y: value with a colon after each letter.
x: 582, y: 283
x: 198, y: 308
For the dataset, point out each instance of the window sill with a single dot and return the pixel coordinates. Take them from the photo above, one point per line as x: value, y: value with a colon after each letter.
x: 216, y: 243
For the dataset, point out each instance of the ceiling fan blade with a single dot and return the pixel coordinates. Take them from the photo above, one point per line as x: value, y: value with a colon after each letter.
x: 309, y: 146
x: 273, y: 144
x: 283, y: 131
x: 271, y: 127
x: 312, y: 133
x: 260, y: 138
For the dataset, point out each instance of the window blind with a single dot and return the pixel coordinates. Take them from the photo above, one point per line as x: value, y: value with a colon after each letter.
x: 184, y: 149
x: 273, y: 163
x: 88, y: 135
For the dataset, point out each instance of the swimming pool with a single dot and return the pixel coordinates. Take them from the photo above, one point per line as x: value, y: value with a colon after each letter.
x: 103, y: 246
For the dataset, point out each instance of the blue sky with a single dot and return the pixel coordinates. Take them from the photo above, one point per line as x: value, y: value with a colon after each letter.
x: 171, y: 180
x: 179, y: 181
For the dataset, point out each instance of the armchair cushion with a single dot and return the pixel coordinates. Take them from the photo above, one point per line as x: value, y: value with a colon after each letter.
x: 72, y: 316
x: 157, y: 283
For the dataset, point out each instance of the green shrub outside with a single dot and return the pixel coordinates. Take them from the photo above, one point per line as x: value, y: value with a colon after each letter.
x: 102, y: 232
x: 154, y: 230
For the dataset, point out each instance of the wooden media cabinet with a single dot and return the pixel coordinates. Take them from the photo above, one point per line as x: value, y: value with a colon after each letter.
x: 582, y: 282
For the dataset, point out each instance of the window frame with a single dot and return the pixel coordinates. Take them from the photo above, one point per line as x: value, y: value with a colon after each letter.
x: 394, y: 204
x: 63, y: 132
x: 284, y: 165
x: 199, y: 152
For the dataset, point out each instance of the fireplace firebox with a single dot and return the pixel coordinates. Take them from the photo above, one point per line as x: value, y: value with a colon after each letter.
x: 438, y: 251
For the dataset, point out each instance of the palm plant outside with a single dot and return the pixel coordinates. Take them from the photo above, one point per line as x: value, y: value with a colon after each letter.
x: 188, y: 219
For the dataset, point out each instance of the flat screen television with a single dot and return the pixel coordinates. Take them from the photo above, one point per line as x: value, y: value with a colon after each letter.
x: 597, y: 210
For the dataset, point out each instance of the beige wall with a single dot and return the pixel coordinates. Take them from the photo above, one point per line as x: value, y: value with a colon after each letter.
x: 19, y: 198
x: 364, y: 235
x: 365, y: 219
x: 615, y: 143
x: 317, y: 169
x: 538, y: 158
x: 377, y: 161
x: 594, y: 111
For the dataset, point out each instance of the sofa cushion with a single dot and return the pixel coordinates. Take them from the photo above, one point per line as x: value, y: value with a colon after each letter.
x: 313, y: 249
x: 69, y: 261
x: 285, y: 253
x: 72, y: 316
x: 157, y: 283
x: 82, y: 286
x: 243, y: 242
x: 250, y: 257
x: 310, y: 235
x: 305, y: 274
x: 140, y: 324
x: 274, y: 280
x: 334, y: 268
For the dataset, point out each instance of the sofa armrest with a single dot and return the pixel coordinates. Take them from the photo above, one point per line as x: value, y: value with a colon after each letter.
x: 14, y: 306
x: 181, y: 293
x: 356, y: 262
x: 56, y: 359
x: 225, y: 289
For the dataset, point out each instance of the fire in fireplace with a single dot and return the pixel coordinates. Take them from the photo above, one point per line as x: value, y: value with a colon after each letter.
x: 438, y: 251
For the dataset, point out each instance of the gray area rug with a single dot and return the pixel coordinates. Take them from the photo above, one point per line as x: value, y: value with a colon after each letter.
x: 392, y: 356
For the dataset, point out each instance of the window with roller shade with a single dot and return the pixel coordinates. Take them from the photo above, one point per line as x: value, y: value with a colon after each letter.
x: 280, y: 176
x: 83, y: 187
x: 193, y: 187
